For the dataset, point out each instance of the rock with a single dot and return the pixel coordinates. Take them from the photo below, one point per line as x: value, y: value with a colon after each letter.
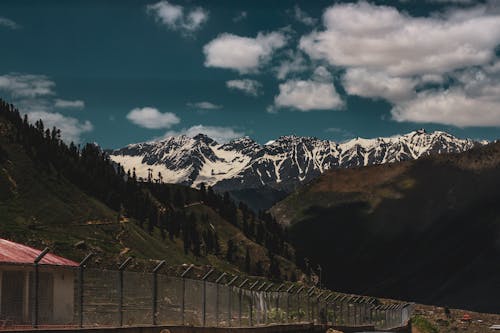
x: 81, y: 245
x: 331, y: 330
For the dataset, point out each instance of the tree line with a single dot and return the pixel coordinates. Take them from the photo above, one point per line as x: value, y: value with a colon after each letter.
x: 154, y: 204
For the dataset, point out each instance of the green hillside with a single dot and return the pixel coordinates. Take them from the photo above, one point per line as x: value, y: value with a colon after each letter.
x: 46, y: 199
x: 426, y: 230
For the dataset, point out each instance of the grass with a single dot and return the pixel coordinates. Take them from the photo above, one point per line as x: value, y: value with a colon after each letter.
x: 40, y: 208
x: 423, y: 325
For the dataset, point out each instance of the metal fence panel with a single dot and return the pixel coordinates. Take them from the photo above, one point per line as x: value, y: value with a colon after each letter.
x: 169, y: 300
x: 137, y: 298
x: 101, y: 298
x: 114, y: 298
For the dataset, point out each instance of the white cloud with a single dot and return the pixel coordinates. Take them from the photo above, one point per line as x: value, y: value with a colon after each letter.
x: 71, y: 128
x: 321, y: 74
x: 248, y: 86
x: 242, y: 54
x: 380, y: 38
x: 33, y: 94
x: 452, y: 1
x: 8, y: 23
x: 218, y: 133
x: 241, y: 16
x: 26, y: 85
x: 450, y: 107
x: 151, y: 118
x: 295, y: 63
x: 307, y: 95
x: 176, y: 18
x: 365, y: 83
x: 390, y: 55
x: 303, y: 17
x: 65, y: 104
x: 475, y: 101
x: 204, y: 105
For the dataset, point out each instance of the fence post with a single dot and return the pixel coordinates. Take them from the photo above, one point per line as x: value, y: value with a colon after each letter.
x: 240, y: 309
x: 288, y: 291
x: 81, y: 268
x: 334, y: 310
x: 120, y: 286
x: 183, y: 303
x: 259, y: 314
x: 310, y: 307
x: 251, y: 301
x: 268, y: 296
x: 278, y: 308
x: 155, y: 291
x: 327, y: 306
x: 298, y: 303
x: 37, y: 282
x: 204, y: 298
x: 229, y: 301
x: 318, y: 301
x: 217, y: 298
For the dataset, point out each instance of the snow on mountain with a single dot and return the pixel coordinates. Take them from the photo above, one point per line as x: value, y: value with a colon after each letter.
x: 280, y: 163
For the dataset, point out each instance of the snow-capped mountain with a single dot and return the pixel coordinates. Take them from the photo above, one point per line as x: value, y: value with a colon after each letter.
x: 282, y: 163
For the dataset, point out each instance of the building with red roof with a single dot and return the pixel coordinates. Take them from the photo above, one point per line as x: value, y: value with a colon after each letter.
x: 56, y: 282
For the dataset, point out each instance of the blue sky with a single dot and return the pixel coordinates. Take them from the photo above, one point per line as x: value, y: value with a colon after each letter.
x: 118, y: 72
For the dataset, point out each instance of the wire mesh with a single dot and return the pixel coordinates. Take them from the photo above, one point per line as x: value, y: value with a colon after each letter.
x: 169, y: 303
x: 193, y: 298
x: 137, y: 298
x: 101, y: 298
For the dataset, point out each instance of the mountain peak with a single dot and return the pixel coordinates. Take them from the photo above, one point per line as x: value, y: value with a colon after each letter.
x: 201, y: 137
x: 282, y: 163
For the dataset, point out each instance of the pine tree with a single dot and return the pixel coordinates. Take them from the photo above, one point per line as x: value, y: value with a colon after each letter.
x: 230, y: 250
x: 247, y: 261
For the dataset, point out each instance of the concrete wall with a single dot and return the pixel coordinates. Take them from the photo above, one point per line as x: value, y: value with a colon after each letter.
x: 64, y: 296
x: 62, y: 282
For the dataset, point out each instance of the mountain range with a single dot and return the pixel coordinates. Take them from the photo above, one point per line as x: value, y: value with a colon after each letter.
x: 278, y: 166
x: 426, y: 230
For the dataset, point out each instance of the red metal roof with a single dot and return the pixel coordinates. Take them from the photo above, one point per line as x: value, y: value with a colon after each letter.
x: 11, y: 252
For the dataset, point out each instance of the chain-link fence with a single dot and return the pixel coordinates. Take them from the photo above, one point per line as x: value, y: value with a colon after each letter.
x: 108, y: 298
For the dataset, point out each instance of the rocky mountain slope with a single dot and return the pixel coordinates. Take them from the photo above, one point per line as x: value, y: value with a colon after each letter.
x: 281, y: 164
x: 426, y: 230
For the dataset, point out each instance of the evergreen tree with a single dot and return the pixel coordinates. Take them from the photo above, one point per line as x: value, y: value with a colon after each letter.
x: 247, y: 261
x: 230, y: 250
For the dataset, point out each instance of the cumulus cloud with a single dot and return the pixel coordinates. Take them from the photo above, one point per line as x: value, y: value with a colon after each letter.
x: 303, y: 17
x: 71, y: 128
x: 366, y: 83
x: 26, y: 85
x: 66, y: 104
x: 8, y: 23
x: 204, y: 105
x: 381, y: 38
x: 242, y: 54
x: 452, y: 1
x: 176, y: 18
x: 247, y: 86
x: 451, y: 107
x: 294, y: 62
x: 33, y: 95
x: 151, y: 118
x: 475, y: 101
x: 218, y: 133
x: 436, y: 69
x: 305, y: 95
